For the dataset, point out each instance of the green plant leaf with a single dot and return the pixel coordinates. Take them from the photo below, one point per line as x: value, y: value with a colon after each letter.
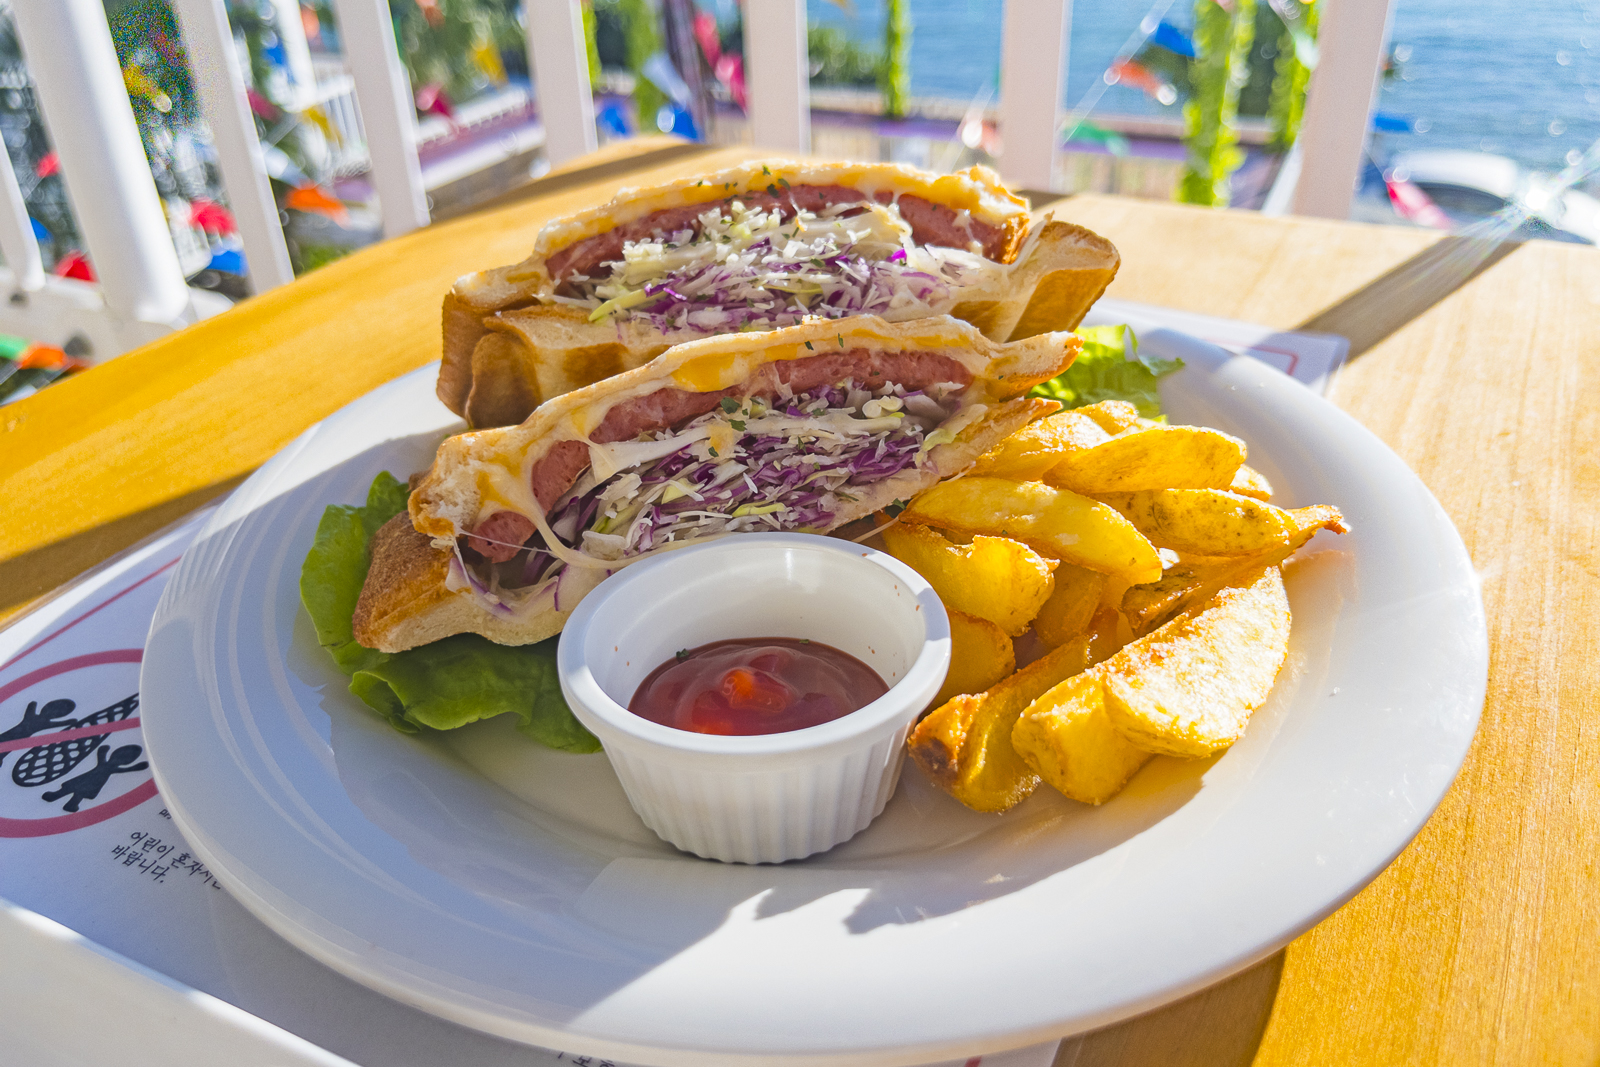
x: 1110, y: 367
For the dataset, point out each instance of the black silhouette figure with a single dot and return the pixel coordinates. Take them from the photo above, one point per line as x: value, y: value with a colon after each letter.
x: 87, y: 785
x: 52, y: 761
x: 48, y: 717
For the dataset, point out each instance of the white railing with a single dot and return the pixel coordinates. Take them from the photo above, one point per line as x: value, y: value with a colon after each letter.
x: 141, y: 290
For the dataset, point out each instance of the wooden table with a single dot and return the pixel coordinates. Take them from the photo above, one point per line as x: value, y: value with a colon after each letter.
x: 1478, y: 945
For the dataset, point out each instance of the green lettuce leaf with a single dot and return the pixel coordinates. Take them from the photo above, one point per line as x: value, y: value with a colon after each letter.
x: 336, y: 567
x: 465, y: 678
x: 1110, y: 367
x: 442, y: 685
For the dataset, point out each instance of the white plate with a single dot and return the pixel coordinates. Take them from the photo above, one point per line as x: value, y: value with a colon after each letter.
x: 511, y: 888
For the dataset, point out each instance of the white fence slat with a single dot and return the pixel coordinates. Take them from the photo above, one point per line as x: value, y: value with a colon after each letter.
x: 388, y: 115
x: 221, y: 87
x: 17, y: 243
x: 67, y: 45
x: 1333, y: 136
x: 1033, y: 73
x: 559, y: 58
x: 777, y: 74
x: 296, y: 51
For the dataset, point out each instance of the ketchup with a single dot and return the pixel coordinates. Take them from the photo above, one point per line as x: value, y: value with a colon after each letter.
x: 756, y: 685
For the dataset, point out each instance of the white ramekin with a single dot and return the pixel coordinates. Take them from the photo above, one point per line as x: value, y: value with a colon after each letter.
x: 769, y: 797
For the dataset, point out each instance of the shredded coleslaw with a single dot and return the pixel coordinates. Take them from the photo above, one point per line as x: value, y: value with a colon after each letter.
x: 795, y: 462
x: 746, y: 269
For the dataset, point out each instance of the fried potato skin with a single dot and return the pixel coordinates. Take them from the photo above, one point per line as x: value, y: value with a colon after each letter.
x: 1114, y: 416
x: 1196, y: 579
x: 1156, y: 457
x: 1247, y: 481
x: 994, y: 578
x: 964, y: 745
x: 1027, y: 454
x: 1188, y: 688
x: 1214, y: 522
x: 981, y: 655
x: 1067, y: 738
x: 1056, y: 523
x: 1148, y: 606
x: 1070, y: 608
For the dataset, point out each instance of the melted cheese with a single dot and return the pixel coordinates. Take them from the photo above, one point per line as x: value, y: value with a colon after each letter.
x: 503, y: 485
x: 707, y: 374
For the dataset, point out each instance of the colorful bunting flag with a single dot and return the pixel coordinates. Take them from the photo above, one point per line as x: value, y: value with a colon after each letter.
x: 74, y: 265
x: 211, y: 217
x: 227, y: 261
x: 311, y: 198
x: 1174, y: 40
x: 432, y: 99
x: 138, y: 84
x: 727, y: 68
x: 487, y: 58
x: 1088, y: 132
x: 319, y: 118
x: 1137, y: 75
x: 1411, y: 203
x: 261, y: 106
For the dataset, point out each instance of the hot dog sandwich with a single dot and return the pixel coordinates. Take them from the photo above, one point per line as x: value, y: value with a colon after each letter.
x: 757, y: 247
x: 805, y: 428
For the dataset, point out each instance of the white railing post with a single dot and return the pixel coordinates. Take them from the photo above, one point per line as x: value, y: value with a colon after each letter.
x: 221, y: 86
x: 296, y: 52
x: 559, y: 58
x: 388, y: 115
x: 777, y: 74
x: 1333, y: 136
x: 1033, y: 72
x: 17, y: 241
x: 67, y: 44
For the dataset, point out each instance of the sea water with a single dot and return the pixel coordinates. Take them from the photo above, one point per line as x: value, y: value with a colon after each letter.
x: 1517, y: 79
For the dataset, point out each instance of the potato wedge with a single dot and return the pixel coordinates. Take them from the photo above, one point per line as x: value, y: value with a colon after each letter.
x: 981, y: 655
x: 1188, y: 688
x: 1196, y: 579
x: 1148, y: 606
x: 1068, y: 611
x: 1054, y: 522
x: 1214, y: 522
x: 1158, y: 457
x: 1040, y: 445
x: 1115, y: 416
x: 1067, y: 738
x: 964, y: 745
x: 1247, y: 481
x: 994, y: 578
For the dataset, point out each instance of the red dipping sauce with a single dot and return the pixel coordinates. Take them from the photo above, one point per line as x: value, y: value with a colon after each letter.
x: 756, y: 685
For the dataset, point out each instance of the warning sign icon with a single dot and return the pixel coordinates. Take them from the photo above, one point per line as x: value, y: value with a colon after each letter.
x: 43, y: 765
